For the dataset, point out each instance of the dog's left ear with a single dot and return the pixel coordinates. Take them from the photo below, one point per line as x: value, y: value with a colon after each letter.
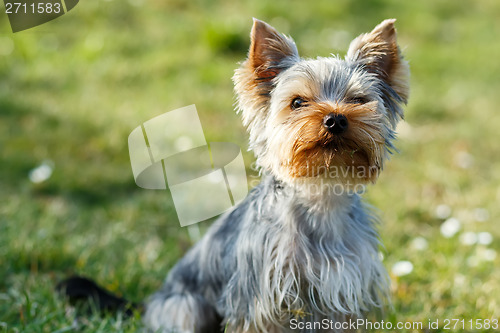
x: 378, y: 51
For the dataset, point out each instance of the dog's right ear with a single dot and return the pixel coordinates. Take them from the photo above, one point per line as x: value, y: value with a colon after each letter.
x: 270, y: 52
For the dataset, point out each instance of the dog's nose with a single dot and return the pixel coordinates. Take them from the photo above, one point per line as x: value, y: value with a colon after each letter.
x: 335, y: 123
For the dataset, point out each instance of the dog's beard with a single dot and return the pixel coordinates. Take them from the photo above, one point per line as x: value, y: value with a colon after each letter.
x: 307, y: 149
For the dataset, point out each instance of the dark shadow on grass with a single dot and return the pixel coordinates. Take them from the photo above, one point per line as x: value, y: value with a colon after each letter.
x: 87, y: 170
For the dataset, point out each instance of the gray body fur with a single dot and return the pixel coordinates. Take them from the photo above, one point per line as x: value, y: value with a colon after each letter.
x: 274, y: 256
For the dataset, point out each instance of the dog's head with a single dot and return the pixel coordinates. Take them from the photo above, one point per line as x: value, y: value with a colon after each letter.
x: 324, y: 118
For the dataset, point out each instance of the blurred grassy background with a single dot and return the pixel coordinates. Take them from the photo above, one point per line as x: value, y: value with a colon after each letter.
x: 73, y: 89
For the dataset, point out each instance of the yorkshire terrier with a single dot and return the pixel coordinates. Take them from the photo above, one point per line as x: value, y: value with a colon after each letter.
x: 302, y: 246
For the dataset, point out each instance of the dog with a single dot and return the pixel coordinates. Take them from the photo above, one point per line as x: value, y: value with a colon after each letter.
x: 302, y: 247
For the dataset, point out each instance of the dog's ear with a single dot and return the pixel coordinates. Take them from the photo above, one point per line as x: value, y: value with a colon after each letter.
x: 378, y: 51
x: 270, y: 52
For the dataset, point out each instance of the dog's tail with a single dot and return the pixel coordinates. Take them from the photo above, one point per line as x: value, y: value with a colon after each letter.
x: 81, y: 290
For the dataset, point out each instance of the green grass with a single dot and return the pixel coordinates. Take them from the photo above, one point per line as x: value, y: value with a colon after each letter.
x: 73, y: 89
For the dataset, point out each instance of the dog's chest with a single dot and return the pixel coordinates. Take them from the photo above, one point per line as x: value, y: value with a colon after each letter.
x: 305, y: 262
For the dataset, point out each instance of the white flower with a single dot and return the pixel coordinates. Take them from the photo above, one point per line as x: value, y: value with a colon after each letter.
x: 484, y: 238
x: 468, y: 238
x: 419, y: 243
x: 450, y: 227
x: 481, y: 255
x: 488, y: 254
x: 443, y: 211
x: 402, y: 268
x: 41, y: 173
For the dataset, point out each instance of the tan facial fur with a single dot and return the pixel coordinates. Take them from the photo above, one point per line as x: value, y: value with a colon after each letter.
x: 367, y: 87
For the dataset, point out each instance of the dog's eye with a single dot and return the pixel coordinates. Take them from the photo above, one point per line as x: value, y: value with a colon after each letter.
x: 358, y: 100
x: 297, y: 103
